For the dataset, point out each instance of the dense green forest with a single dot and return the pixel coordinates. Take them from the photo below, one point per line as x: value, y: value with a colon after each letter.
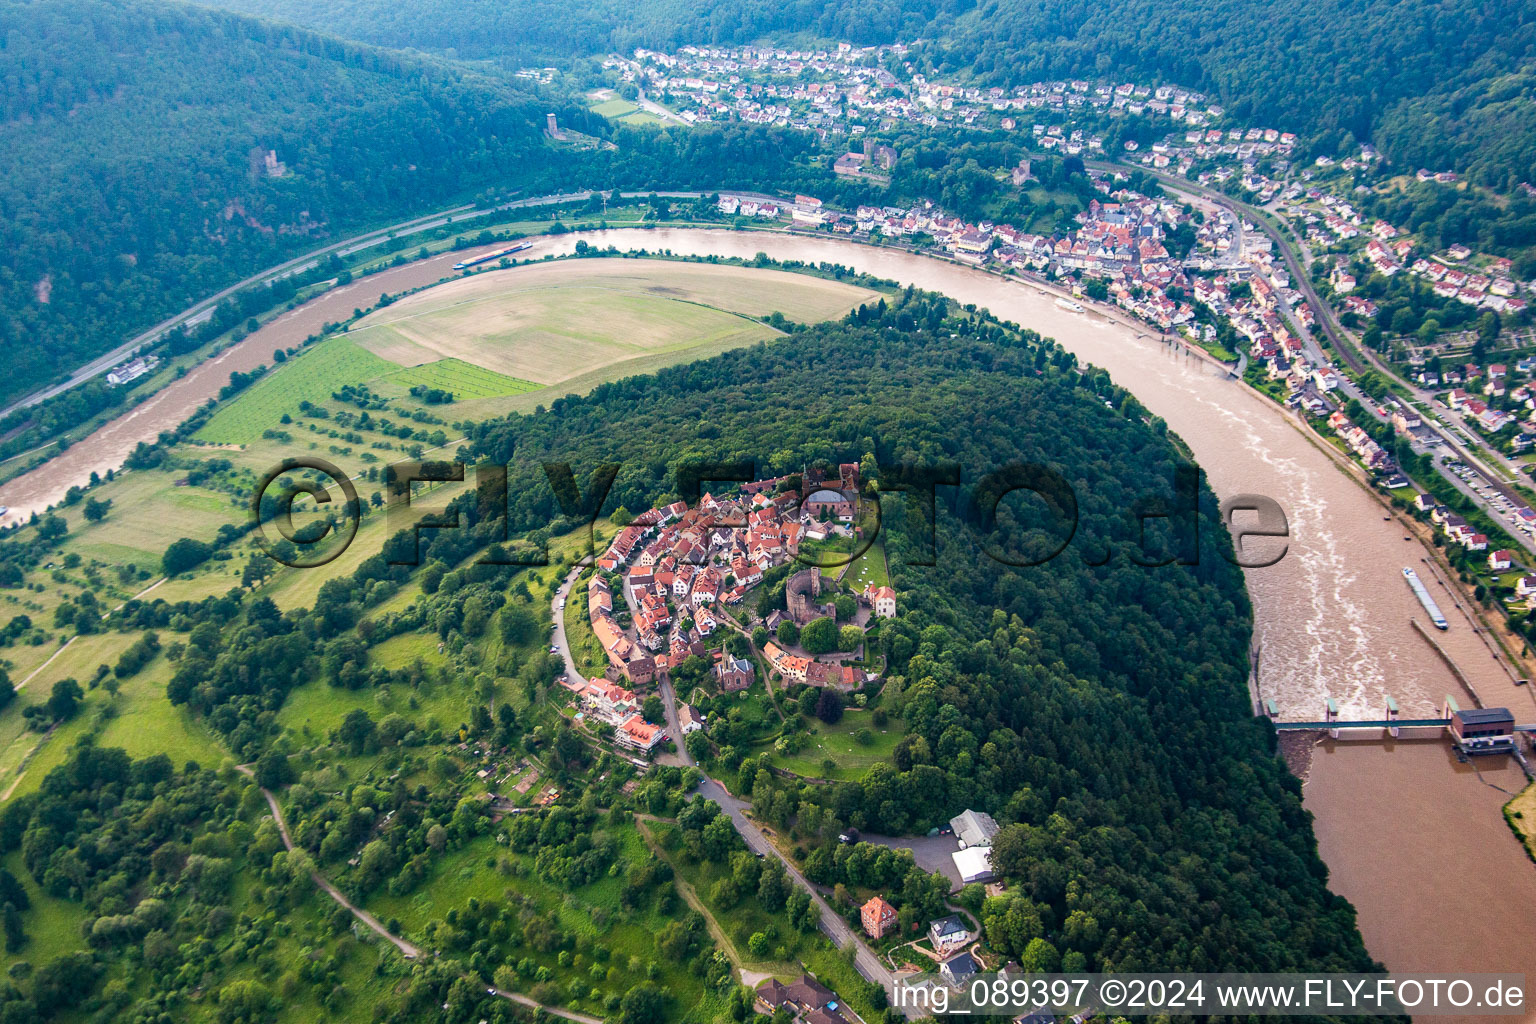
x: 132, y: 139
x: 539, y: 30
x: 1434, y: 84
x: 135, y: 181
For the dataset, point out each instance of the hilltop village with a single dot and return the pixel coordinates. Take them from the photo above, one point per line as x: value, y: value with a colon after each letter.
x: 673, y: 583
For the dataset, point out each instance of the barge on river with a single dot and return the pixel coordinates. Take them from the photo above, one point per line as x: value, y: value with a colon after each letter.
x: 1428, y: 602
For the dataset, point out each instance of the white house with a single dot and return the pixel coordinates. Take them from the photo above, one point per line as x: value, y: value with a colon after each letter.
x: 882, y: 600
x: 948, y: 933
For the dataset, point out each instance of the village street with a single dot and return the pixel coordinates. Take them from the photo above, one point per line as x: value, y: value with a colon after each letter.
x: 832, y: 923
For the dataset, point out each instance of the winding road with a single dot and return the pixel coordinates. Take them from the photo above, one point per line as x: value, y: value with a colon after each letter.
x: 832, y: 923
x: 410, y: 950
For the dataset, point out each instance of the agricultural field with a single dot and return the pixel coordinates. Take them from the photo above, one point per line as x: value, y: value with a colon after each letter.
x: 148, y: 512
x: 615, y: 108
x: 310, y: 376
x: 464, y: 381
x: 504, y: 341
x: 635, y: 316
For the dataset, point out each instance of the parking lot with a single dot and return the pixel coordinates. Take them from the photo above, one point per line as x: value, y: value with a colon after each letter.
x: 932, y: 853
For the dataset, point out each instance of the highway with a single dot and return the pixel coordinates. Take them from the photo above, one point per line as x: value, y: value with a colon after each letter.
x: 199, y: 310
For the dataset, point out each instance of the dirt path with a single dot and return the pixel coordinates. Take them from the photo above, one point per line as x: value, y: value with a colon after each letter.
x: 45, y: 664
x: 408, y: 949
x: 690, y: 897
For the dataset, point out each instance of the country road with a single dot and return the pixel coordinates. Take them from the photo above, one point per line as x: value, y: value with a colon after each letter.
x: 832, y: 923
x: 522, y: 1000
x: 557, y: 638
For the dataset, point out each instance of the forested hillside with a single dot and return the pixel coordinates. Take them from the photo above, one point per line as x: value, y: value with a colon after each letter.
x: 536, y: 30
x: 1435, y: 84
x: 136, y: 180
x: 132, y: 178
x: 1095, y: 703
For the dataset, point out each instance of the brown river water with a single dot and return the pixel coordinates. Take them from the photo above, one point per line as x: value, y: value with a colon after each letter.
x: 1409, y: 834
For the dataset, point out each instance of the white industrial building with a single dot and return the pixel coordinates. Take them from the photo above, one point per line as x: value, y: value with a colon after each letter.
x: 975, y: 864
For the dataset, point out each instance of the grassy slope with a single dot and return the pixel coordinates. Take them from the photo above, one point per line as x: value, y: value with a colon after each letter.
x: 585, y: 649
x: 838, y: 743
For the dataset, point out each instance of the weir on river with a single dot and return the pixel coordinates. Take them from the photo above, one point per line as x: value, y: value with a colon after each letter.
x: 1474, y: 732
